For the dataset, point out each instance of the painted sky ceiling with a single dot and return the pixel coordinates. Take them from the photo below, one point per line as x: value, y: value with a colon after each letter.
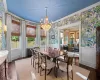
x: 34, y: 10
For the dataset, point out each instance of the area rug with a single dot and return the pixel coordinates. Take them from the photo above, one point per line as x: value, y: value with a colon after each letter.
x: 24, y: 69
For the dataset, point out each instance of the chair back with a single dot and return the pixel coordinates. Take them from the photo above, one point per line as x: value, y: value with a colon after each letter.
x: 42, y: 57
x: 80, y: 73
x: 37, y: 48
x: 65, y: 57
x: 32, y: 51
x: 50, y: 49
x: 70, y: 60
x: 56, y: 52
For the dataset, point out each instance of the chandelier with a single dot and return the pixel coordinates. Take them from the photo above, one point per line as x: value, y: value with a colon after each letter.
x: 45, y: 23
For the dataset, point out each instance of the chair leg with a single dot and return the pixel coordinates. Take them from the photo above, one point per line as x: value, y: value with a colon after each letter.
x: 67, y: 73
x: 33, y: 63
x: 38, y: 67
x: 40, y: 70
x: 56, y: 71
x: 72, y: 74
x: 49, y: 71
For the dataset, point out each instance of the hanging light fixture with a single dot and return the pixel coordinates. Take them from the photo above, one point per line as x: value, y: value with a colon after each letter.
x: 45, y: 23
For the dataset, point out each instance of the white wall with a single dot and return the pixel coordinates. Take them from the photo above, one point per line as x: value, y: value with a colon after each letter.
x: 88, y: 56
x: 16, y: 53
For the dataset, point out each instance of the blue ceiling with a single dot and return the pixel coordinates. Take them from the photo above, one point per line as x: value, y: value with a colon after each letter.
x: 34, y: 10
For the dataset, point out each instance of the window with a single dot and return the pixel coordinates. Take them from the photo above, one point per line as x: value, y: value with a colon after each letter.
x: 14, y: 41
x: 43, y: 37
x: 30, y: 41
x: 15, y: 34
x: 31, y: 35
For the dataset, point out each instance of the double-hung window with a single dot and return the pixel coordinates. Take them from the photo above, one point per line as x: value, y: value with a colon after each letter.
x: 15, y: 34
x: 31, y: 35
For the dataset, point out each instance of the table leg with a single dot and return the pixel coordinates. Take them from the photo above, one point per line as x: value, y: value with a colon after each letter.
x: 38, y: 62
x: 67, y: 73
x: 45, y: 67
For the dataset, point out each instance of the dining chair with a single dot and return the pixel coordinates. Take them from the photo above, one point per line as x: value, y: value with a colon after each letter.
x: 35, y: 60
x: 65, y: 65
x: 46, y: 64
x: 33, y: 56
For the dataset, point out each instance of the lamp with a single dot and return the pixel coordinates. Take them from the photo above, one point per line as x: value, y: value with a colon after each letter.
x: 5, y: 28
x: 45, y: 24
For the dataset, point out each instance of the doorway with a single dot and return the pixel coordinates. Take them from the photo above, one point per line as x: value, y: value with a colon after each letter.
x: 70, y: 39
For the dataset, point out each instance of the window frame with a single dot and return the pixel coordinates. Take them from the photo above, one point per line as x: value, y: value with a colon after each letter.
x: 32, y: 36
x: 16, y: 34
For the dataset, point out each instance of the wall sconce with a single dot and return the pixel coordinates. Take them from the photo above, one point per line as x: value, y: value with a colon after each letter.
x: 61, y: 35
x: 5, y: 28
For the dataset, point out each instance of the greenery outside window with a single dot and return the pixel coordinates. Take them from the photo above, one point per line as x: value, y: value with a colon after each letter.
x: 43, y: 40
x: 31, y: 35
x: 30, y: 41
x: 14, y: 41
x: 15, y: 34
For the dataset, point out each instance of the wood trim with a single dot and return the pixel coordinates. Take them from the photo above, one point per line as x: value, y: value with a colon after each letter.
x: 30, y: 26
x: 30, y: 35
x: 15, y: 22
x: 15, y: 34
x: 43, y: 36
x: 98, y: 52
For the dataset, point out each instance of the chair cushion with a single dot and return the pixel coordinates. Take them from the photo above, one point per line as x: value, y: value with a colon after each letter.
x: 36, y: 61
x: 63, y: 67
x: 50, y: 65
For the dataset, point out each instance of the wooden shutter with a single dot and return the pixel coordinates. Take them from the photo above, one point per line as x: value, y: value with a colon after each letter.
x: 30, y: 31
x: 15, y: 28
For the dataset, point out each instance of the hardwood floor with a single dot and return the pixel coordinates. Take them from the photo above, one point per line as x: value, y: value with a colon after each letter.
x: 92, y: 75
x: 13, y: 74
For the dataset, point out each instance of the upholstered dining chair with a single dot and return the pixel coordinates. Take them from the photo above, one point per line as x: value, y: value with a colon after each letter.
x: 50, y: 50
x: 35, y: 59
x: 66, y: 65
x: 46, y: 63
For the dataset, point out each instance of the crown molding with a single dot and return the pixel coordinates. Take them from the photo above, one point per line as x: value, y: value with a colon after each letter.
x: 79, y: 12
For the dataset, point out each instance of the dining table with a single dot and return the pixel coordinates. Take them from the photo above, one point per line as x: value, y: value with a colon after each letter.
x: 46, y: 54
x: 60, y: 56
